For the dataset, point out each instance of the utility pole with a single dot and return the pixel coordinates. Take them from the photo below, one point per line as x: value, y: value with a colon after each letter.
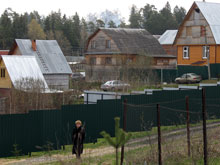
x: 207, y: 54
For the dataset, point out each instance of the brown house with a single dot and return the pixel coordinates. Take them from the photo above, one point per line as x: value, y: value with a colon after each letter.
x: 167, y: 41
x: 198, y: 36
x: 108, y: 49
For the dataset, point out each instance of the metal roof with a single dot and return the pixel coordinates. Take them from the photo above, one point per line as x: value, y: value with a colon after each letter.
x: 211, y: 12
x: 49, y: 55
x: 168, y: 37
x: 23, y: 67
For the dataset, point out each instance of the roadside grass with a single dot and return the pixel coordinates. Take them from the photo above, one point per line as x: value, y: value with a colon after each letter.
x: 174, y: 152
x: 102, y: 143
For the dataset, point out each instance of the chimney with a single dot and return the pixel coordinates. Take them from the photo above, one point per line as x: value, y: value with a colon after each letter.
x: 34, y: 46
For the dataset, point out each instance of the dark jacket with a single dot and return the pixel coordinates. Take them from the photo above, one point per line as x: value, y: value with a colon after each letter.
x: 78, y: 137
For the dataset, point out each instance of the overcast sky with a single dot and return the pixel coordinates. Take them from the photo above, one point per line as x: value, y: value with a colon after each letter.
x: 83, y: 7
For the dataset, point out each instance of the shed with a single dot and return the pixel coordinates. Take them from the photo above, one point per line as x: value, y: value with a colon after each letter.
x: 50, y: 58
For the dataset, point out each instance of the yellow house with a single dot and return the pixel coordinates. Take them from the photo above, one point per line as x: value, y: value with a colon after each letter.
x: 14, y: 69
x: 5, y: 81
x: 198, y: 36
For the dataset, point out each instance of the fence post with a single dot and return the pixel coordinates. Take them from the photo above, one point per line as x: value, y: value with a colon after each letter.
x: 204, y: 127
x: 124, y: 128
x: 159, y: 135
x: 188, y: 124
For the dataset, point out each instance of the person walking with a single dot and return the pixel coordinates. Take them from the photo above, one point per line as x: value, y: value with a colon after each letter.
x: 78, y: 137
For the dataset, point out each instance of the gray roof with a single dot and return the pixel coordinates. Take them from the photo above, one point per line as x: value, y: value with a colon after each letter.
x: 211, y: 12
x: 23, y: 67
x: 168, y: 37
x: 49, y: 55
x: 134, y: 41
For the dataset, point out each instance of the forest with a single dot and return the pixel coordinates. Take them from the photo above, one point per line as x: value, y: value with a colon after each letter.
x: 71, y: 32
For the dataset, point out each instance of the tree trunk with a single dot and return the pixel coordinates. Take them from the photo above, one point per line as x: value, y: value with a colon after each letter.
x: 116, y: 155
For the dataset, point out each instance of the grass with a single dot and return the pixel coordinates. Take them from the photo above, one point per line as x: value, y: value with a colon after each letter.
x: 102, y: 143
x: 174, y: 151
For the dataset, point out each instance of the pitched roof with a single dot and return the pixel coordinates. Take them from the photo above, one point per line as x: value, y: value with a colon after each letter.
x: 49, y: 55
x: 168, y: 37
x: 133, y: 41
x: 23, y: 67
x: 212, y: 15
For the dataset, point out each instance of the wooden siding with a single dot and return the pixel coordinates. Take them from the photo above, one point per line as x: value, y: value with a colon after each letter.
x: 190, y: 31
x: 57, y: 81
x: 170, y: 49
x: 5, y: 82
x: 100, y: 40
x: 17, y: 51
x: 196, y: 53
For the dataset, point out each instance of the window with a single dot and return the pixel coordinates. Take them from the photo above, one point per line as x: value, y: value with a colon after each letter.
x: 2, y: 72
x: 108, y: 44
x: 202, y: 31
x: 108, y: 60
x: 93, y: 60
x: 93, y: 44
x: 185, y: 52
x: 205, y: 52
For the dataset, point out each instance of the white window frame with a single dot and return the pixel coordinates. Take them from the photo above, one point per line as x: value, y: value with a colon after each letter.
x: 186, y: 52
x: 204, y: 50
x: 93, y: 44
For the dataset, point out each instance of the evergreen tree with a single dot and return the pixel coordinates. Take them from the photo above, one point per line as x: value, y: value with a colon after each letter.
x: 168, y: 21
x: 76, y: 33
x: 6, y: 35
x: 179, y: 14
x: 119, y: 140
x: 111, y: 24
x: 135, y: 18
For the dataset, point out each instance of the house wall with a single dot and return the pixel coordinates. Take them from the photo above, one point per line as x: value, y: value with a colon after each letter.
x: 16, y: 51
x: 170, y: 49
x: 57, y: 81
x: 5, y: 82
x: 165, y: 63
x: 191, y: 32
x: 195, y: 32
x: 196, y: 53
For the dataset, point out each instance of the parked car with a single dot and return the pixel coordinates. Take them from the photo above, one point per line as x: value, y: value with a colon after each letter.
x: 188, y: 78
x: 77, y: 76
x: 114, y: 85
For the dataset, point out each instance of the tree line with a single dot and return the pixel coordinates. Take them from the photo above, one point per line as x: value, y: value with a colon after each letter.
x: 71, y: 32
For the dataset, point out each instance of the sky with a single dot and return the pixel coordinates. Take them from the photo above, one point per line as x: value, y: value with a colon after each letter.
x: 84, y: 7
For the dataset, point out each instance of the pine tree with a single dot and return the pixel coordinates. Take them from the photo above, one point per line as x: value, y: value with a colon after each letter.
x: 121, y: 137
x: 135, y: 18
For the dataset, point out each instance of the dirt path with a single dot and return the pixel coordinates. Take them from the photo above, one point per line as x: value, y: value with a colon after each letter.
x: 133, y: 144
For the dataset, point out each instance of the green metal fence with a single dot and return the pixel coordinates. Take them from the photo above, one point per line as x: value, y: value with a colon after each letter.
x: 200, y: 70
x: 36, y: 129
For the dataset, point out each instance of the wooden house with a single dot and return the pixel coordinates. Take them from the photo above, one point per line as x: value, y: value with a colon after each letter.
x: 109, y: 49
x: 167, y: 41
x: 50, y: 58
x: 15, y: 69
x: 198, y: 36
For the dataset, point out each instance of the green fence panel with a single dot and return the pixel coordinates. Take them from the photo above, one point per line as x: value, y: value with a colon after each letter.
x: 33, y: 131
x: 13, y: 131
